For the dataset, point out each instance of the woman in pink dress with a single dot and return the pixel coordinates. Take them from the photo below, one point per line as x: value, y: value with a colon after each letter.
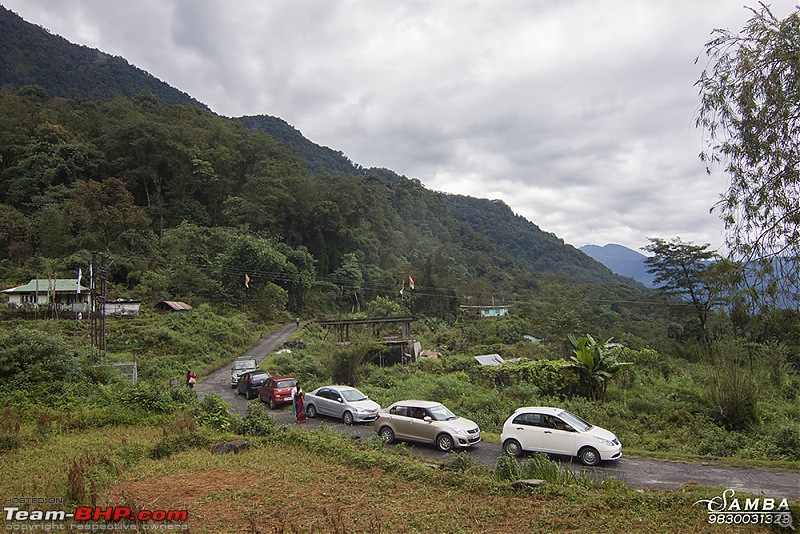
x: 300, y: 405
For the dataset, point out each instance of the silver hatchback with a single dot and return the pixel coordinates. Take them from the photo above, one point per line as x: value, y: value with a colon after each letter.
x: 342, y: 402
x: 426, y: 421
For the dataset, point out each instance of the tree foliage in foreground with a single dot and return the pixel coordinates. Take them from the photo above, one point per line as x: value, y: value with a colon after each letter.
x: 750, y: 111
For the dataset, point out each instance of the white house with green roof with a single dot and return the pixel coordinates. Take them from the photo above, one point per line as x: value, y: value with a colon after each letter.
x: 64, y: 295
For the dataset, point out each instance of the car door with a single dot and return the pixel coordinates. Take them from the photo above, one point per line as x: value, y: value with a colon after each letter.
x: 401, y: 422
x: 528, y: 431
x: 559, y: 440
x: 321, y: 402
x: 334, y: 407
x: 422, y: 429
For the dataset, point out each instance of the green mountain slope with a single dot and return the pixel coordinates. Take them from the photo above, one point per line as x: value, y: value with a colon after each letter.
x: 196, y: 167
x: 30, y: 55
x: 525, y: 242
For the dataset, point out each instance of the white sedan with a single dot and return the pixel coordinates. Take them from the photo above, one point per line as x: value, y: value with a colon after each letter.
x: 557, y: 431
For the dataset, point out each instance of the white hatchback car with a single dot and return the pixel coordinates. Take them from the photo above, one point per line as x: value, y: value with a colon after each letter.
x: 557, y: 431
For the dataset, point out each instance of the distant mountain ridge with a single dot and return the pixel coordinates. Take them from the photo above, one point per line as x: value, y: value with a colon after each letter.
x: 622, y: 261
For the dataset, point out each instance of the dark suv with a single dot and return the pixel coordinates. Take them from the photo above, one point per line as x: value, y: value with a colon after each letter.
x: 250, y: 381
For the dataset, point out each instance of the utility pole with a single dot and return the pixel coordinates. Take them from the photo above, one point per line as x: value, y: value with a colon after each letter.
x: 98, y: 281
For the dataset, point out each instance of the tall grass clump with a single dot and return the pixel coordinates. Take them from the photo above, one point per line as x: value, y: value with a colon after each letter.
x: 733, y: 390
x: 540, y: 467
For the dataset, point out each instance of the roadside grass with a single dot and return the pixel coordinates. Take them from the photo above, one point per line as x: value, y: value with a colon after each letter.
x: 292, y: 480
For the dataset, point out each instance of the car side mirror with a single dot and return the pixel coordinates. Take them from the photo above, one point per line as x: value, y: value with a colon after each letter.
x: 569, y: 428
x: 339, y: 399
x: 427, y: 419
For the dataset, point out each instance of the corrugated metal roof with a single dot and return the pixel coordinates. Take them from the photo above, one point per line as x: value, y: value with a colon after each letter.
x: 65, y: 285
x: 494, y: 360
x: 174, y: 305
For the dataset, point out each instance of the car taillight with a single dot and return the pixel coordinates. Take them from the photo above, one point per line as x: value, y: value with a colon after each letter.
x: 250, y: 379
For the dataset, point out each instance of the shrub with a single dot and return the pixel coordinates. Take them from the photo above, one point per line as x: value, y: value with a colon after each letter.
x: 346, y: 365
x: 214, y: 413
x: 733, y: 394
x: 257, y: 422
x: 787, y: 441
x: 549, y: 377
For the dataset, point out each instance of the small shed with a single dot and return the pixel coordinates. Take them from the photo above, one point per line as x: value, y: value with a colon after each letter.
x: 173, y: 305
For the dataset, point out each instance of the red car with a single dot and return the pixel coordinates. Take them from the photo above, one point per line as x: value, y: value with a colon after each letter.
x: 277, y: 390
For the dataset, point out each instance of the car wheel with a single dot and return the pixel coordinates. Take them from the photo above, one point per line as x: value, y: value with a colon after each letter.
x: 589, y: 456
x: 387, y: 434
x: 512, y: 448
x: 272, y: 404
x: 347, y: 418
x: 311, y: 411
x: 444, y: 442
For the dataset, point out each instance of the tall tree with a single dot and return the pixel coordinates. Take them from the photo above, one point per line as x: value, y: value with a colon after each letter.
x: 683, y: 269
x: 108, y: 208
x: 750, y: 111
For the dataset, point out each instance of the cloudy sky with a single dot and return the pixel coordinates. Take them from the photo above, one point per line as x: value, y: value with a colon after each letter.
x: 578, y: 114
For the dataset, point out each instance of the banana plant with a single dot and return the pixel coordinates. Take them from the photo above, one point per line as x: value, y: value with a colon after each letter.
x: 596, y: 362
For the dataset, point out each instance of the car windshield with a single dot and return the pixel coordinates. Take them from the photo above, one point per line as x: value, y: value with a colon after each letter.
x: 286, y: 384
x: 440, y: 413
x: 352, y: 395
x: 574, y: 421
x: 244, y: 364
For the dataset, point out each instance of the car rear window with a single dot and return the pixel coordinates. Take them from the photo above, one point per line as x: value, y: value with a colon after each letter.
x: 286, y: 384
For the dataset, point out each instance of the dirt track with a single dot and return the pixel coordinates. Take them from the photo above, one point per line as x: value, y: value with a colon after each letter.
x: 636, y: 473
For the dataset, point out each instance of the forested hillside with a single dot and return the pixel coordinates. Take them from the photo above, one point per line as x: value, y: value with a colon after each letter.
x: 525, y: 242
x: 31, y: 55
x: 178, y: 188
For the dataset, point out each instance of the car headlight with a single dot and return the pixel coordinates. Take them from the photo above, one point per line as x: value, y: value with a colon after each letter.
x: 458, y: 430
x: 361, y: 410
x: 606, y: 442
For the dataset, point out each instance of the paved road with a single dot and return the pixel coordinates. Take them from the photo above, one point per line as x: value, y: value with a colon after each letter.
x: 219, y: 381
x: 636, y: 473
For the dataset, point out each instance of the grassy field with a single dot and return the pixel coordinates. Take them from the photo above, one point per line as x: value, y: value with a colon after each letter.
x: 294, y: 481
